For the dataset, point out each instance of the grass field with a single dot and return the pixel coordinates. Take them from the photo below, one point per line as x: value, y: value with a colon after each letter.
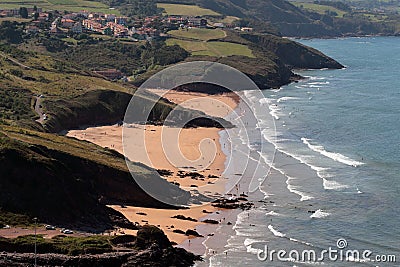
x: 217, y: 49
x: 321, y: 9
x: 197, y: 42
x: 198, y: 34
x: 61, y: 5
x: 186, y: 10
x: 229, y: 19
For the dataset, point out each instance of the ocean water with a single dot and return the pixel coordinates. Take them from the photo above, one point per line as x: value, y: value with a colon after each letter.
x: 331, y: 165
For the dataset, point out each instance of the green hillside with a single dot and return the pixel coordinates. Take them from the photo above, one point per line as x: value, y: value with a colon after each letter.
x: 309, y: 19
x: 69, y: 5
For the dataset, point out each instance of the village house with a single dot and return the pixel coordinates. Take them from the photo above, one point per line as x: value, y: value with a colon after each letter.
x: 197, y: 22
x: 121, y: 20
x: 9, y: 12
x: 176, y: 20
x: 118, y: 30
x: 43, y: 17
x: 110, y: 17
x: 111, y: 74
x: 92, y: 25
x: 67, y: 23
x: 32, y: 29
x: 95, y: 15
x: 219, y: 25
x: 246, y: 29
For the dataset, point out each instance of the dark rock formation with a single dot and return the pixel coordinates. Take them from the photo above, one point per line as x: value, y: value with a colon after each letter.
x: 151, y: 248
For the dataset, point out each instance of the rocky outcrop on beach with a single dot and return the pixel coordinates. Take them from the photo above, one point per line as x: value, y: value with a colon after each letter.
x: 151, y: 248
x: 232, y: 203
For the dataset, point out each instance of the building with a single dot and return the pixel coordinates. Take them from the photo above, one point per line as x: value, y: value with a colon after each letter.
x: 197, y: 22
x: 118, y: 30
x: 9, y: 12
x: 32, y: 29
x: 121, y: 20
x: 110, y: 17
x: 219, y: 25
x: 246, y: 29
x: 43, y: 17
x: 92, y: 25
x: 111, y: 74
x: 67, y: 23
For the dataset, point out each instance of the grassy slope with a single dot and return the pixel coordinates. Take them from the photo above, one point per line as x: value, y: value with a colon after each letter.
x: 198, y: 34
x: 186, y: 10
x: 52, y: 77
x: 321, y: 9
x: 200, y: 43
x: 214, y: 49
x: 69, y: 5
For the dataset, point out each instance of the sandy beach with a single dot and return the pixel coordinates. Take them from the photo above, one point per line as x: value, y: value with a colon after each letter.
x: 200, y: 148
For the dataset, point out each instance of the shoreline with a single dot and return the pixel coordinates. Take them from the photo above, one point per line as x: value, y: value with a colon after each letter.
x: 211, y: 182
x: 340, y: 37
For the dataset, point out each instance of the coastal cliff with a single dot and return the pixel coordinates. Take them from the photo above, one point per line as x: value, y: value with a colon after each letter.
x: 73, y: 181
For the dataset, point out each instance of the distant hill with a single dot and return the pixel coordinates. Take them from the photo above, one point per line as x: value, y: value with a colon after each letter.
x: 294, y: 20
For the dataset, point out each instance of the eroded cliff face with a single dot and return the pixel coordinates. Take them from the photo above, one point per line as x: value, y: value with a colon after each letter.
x: 293, y: 54
x: 73, y: 190
x: 100, y: 107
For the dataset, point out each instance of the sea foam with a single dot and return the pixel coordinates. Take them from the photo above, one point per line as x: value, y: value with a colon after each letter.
x: 320, y: 214
x: 332, y: 155
x: 275, y: 232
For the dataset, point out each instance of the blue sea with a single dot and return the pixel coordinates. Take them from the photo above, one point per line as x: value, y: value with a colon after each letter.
x: 331, y: 161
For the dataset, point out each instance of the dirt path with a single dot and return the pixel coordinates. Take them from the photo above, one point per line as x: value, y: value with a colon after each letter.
x: 14, y: 61
x: 39, y: 110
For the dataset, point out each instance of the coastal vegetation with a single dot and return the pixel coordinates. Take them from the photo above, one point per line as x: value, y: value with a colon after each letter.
x: 149, y: 248
x: 59, y: 244
x: 58, y: 76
